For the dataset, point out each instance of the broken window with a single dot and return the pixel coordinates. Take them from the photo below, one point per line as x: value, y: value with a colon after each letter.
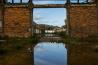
x: 50, y: 1
x: 25, y: 1
x: 17, y: 1
x: 9, y: 1
x: 82, y: 1
x: 74, y: 1
x: 91, y: 1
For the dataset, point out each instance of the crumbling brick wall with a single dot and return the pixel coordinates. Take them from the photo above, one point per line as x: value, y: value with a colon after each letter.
x: 17, y: 22
x: 0, y: 21
x: 83, y: 20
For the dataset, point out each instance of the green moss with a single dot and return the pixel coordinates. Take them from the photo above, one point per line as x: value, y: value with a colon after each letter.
x: 67, y: 38
x: 18, y: 41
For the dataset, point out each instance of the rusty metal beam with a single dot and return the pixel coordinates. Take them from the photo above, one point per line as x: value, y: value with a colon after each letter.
x: 44, y: 5
x: 49, y: 6
x: 38, y: 6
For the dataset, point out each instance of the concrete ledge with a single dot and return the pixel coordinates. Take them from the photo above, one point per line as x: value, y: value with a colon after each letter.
x: 83, y: 5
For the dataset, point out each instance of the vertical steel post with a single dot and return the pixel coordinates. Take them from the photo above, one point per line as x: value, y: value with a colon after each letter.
x: 21, y: 1
x: 31, y: 15
x: 12, y: 1
x: 78, y: 1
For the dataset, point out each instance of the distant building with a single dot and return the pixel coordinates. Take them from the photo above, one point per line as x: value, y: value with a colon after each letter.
x: 60, y: 29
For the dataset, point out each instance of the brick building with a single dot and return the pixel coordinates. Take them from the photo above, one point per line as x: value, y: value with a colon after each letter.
x: 16, y: 18
x: 83, y: 20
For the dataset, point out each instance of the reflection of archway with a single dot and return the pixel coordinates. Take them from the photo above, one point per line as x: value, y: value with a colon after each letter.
x: 59, y: 51
x: 32, y: 48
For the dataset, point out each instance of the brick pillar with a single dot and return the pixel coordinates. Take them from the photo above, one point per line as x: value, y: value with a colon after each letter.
x: 83, y: 20
x: 17, y: 21
x: 97, y: 14
x: 31, y: 16
x: 68, y: 19
x: 1, y: 17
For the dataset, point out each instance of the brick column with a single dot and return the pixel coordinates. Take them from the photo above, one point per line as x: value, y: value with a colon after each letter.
x: 31, y: 15
x: 97, y: 14
x: 83, y: 20
x: 1, y: 17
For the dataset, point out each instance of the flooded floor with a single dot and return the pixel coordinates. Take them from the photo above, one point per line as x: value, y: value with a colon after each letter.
x: 83, y: 54
x: 47, y: 53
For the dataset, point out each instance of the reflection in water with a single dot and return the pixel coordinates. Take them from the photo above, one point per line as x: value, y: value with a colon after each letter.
x: 49, y: 34
x: 46, y: 53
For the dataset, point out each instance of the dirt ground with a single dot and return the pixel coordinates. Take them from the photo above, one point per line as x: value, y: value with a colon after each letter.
x: 78, y: 54
x: 17, y: 57
x: 83, y: 54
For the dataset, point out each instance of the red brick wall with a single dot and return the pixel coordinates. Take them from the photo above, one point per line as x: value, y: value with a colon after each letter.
x: 0, y: 22
x: 17, y: 22
x: 0, y: 16
x: 83, y: 20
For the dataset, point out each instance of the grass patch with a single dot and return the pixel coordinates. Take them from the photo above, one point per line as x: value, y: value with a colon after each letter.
x: 67, y: 38
x: 17, y: 46
x: 72, y: 40
x: 3, y: 51
x: 96, y: 48
x: 15, y: 43
x: 29, y: 40
x: 14, y: 51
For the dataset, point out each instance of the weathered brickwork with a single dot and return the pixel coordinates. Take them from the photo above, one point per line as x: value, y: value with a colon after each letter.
x: 0, y: 21
x: 83, y: 20
x: 17, y: 22
x: 0, y: 14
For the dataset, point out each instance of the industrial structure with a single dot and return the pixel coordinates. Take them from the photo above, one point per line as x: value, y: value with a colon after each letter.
x: 16, y: 18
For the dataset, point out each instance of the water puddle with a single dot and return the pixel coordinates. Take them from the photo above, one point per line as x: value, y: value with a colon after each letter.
x: 46, y: 53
